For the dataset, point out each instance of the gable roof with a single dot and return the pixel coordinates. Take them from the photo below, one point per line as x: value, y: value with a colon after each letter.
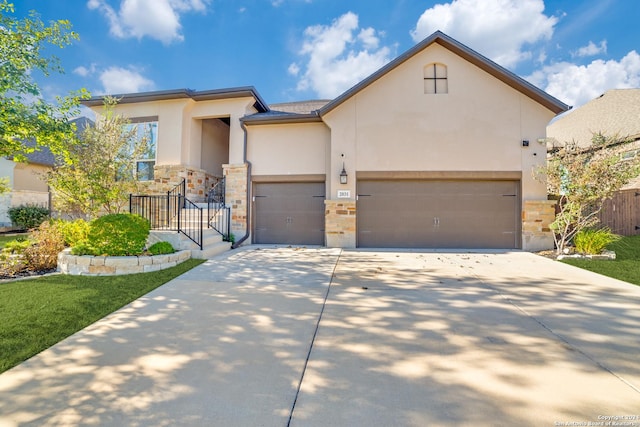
x: 466, y: 53
x: 204, y: 95
x: 614, y: 113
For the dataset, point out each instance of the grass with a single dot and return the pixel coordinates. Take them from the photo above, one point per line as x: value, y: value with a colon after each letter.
x: 37, y: 313
x: 4, y: 238
x: 625, y: 267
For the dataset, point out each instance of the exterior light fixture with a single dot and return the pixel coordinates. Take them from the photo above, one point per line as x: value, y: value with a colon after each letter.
x: 525, y: 142
x: 343, y: 175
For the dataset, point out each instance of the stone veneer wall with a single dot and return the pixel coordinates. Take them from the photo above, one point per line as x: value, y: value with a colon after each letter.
x: 537, y: 215
x: 166, y: 177
x: 340, y: 223
x: 236, y: 196
x: 87, y: 265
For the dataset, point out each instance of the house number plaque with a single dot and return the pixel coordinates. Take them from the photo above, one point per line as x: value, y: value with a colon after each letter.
x: 344, y: 194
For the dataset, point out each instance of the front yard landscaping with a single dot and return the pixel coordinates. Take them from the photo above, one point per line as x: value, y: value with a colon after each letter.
x: 625, y: 267
x: 37, y: 313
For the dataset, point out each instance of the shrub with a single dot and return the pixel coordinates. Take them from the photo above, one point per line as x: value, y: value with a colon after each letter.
x: 11, y: 260
x: 28, y: 216
x: 16, y: 246
x: 73, y: 232
x: 594, y: 240
x: 115, y: 234
x: 160, y: 248
x: 48, y: 241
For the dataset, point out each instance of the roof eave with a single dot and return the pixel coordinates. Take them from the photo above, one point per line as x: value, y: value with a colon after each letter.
x: 285, y: 119
x: 205, y: 95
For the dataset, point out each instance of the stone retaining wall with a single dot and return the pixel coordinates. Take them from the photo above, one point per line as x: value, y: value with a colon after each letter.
x: 88, y: 265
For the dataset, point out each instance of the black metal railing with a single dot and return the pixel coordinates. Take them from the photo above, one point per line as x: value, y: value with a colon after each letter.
x: 172, y: 211
x: 218, y: 214
x: 190, y: 220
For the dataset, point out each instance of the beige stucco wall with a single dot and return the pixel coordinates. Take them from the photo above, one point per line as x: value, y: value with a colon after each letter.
x: 180, y: 128
x: 215, y: 146
x: 291, y: 149
x: 30, y: 177
x: 478, y: 126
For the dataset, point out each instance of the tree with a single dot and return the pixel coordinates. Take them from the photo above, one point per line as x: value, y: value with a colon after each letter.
x: 100, y: 171
x: 4, y: 185
x: 24, y: 115
x: 582, y: 179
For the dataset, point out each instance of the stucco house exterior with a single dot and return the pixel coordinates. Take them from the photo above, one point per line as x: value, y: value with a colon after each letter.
x: 27, y: 182
x: 435, y: 149
x: 614, y: 114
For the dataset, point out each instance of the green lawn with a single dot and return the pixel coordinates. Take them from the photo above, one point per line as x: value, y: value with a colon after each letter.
x: 625, y: 267
x: 4, y: 238
x: 37, y: 313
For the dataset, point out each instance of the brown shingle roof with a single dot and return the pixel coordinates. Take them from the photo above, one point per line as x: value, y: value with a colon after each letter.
x: 615, y: 113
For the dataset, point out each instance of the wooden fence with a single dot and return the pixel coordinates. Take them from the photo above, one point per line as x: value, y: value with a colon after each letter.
x: 621, y: 213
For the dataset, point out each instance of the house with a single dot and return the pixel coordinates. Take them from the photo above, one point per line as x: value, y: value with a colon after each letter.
x: 27, y: 182
x: 615, y: 114
x: 435, y: 149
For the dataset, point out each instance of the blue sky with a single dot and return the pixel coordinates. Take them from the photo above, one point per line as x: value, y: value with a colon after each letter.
x: 293, y: 50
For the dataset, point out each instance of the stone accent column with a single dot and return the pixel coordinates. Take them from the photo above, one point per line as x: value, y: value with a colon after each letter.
x: 536, y: 217
x: 166, y: 177
x: 340, y: 223
x: 236, y: 197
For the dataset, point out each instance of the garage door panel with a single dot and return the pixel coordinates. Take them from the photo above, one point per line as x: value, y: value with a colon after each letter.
x: 289, y: 213
x: 447, y: 214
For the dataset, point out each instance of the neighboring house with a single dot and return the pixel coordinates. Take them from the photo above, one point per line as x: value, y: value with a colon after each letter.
x: 616, y: 113
x: 26, y: 179
x: 435, y: 149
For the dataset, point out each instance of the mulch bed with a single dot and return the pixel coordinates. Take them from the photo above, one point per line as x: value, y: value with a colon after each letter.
x: 25, y: 274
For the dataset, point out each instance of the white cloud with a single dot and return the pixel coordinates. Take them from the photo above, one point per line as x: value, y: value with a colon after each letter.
x: 591, y: 49
x: 336, y: 59
x: 498, y: 29
x: 118, y: 80
x: 576, y: 84
x: 158, y: 19
x: 293, y: 69
x: 83, y: 71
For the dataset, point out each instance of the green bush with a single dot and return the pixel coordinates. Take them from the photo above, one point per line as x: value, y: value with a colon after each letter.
x: 73, y: 232
x: 593, y: 241
x: 47, y: 243
x: 115, y: 235
x: 160, y: 248
x: 28, y: 216
x: 16, y: 246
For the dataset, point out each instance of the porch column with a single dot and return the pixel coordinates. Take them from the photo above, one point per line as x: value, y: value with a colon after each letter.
x: 236, y: 196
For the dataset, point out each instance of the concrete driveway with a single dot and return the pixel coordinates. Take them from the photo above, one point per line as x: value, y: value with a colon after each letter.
x: 326, y: 337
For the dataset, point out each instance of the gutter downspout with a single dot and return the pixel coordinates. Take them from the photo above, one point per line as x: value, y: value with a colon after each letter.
x: 248, y: 163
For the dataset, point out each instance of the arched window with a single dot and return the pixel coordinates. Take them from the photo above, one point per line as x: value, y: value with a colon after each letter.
x: 435, y: 78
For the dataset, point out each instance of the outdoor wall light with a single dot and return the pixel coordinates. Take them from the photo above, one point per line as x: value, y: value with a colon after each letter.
x: 343, y: 175
x: 525, y: 142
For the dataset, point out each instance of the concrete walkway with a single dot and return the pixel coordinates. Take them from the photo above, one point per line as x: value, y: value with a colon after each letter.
x: 329, y: 337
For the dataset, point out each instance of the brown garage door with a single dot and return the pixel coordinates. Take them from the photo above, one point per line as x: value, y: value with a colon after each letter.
x: 291, y: 213
x: 438, y: 214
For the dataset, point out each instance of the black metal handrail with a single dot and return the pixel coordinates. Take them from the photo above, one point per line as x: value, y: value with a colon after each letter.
x: 190, y: 220
x: 172, y: 211
x: 218, y: 214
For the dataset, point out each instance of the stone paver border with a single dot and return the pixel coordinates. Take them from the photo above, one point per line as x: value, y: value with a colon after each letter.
x: 88, y: 265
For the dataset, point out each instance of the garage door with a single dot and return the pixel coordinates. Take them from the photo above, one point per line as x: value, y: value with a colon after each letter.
x: 290, y: 213
x: 438, y: 214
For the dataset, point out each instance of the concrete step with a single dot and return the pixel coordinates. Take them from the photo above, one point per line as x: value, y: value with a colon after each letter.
x: 212, y: 242
x: 210, y: 251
